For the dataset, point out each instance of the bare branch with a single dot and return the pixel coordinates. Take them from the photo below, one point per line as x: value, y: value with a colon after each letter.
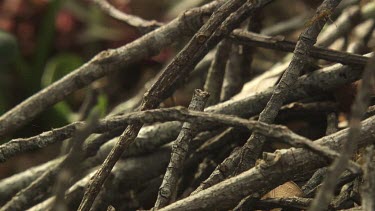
x: 268, y: 175
x: 168, y: 188
x: 368, y: 188
x: 144, y: 26
x: 72, y: 163
x: 279, y: 43
x: 359, y: 108
x: 216, y: 72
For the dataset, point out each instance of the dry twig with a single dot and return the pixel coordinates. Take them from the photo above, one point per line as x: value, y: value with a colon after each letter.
x: 359, y: 108
x: 180, y: 147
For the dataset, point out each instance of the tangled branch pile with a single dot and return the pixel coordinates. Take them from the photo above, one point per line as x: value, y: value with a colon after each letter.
x: 263, y: 134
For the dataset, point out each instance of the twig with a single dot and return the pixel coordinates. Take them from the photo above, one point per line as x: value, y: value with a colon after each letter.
x: 348, y: 19
x: 316, y: 179
x: 180, y: 6
x: 215, y: 75
x: 149, y: 133
x: 247, y: 203
x: 279, y: 43
x: 360, y: 45
x: 27, y: 196
x: 72, y: 163
x: 127, y: 173
x: 208, y: 36
x: 368, y: 188
x: 267, y: 175
x: 354, y: 209
x: 143, y: 26
x: 16, y: 146
x: 202, y: 118
x: 313, y: 183
x: 204, y: 169
x: 359, y: 108
x: 11, y: 185
x: 285, y: 203
x: 180, y: 148
x: 309, y: 85
x: 104, y: 63
x: 151, y: 137
x: 301, y: 57
x: 239, y: 63
x: 220, y: 173
x: 235, y: 73
x: 332, y: 123
x: 318, y: 176
x: 344, y: 197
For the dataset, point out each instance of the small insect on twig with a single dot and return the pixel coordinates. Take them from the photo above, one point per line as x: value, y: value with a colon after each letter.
x: 323, y: 16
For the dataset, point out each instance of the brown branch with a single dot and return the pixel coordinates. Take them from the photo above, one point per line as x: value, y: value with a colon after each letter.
x: 143, y: 26
x: 168, y: 188
x: 285, y: 203
x: 72, y: 163
x: 11, y: 185
x: 279, y: 43
x: 348, y: 19
x: 239, y: 62
x: 25, y: 197
x: 301, y: 58
x: 368, y: 187
x: 359, y: 108
x: 216, y: 72
x: 311, y: 185
x: 128, y: 173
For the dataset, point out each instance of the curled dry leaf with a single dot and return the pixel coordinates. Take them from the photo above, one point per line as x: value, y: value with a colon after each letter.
x: 288, y: 189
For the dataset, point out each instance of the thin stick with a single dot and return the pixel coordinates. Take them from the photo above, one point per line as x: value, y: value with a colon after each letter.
x: 279, y: 43
x: 216, y: 72
x: 25, y: 197
x: 72, y: 163
x: 359, y: 108
x: 180, y: 148
x: 368, y: 188
x: 143, y: 26
x: 239, y: 62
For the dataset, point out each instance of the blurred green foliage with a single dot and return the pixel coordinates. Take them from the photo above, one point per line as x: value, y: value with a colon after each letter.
x: 22, y: 75
x: 8, y: 47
